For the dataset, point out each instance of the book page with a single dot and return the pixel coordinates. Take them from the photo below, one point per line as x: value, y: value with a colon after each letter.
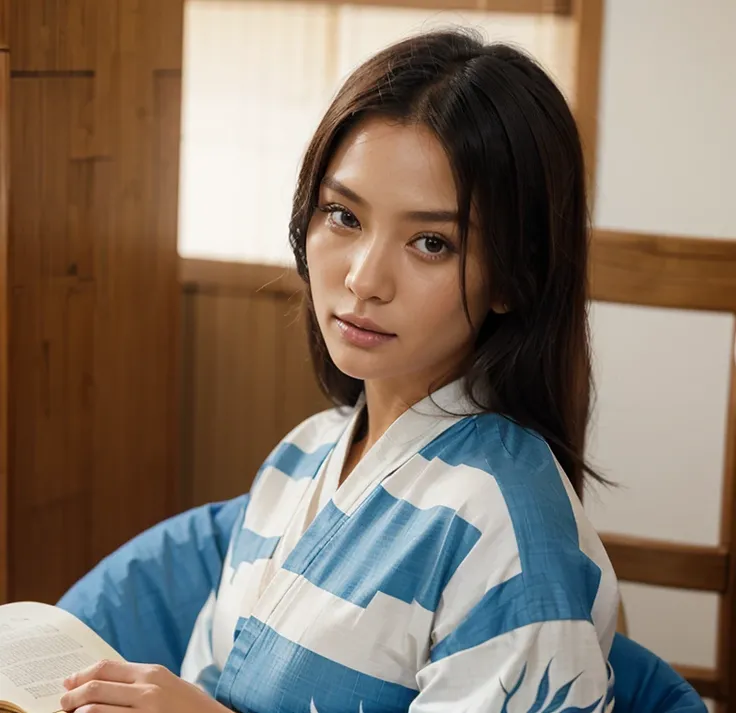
x: 40, y: 645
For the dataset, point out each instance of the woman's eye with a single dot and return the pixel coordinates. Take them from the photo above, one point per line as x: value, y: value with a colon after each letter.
x: 342, y: 218
x: 431, y: 245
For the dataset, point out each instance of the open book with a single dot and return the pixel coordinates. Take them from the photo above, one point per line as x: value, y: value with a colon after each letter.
x: 40, y: 645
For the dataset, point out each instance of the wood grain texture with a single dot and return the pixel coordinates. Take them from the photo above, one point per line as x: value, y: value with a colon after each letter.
x: 55, y: 35
x: 248, y: 379
x: 727, y: 613
x: 4, y: 24
x: 526, y: 7
x: 588, y: 16
x: 95, y: 298
x: 663, y: 271
x: 167, y: 99
x: 246, y: 393
x: 4, y: 325
x: 220, y: 276
x: 668, y: 564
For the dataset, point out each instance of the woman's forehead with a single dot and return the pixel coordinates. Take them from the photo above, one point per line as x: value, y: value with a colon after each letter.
x: 387, y: 162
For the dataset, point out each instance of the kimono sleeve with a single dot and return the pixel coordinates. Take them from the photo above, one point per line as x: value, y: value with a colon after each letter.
x: 552, y: 665
x: 144, y: 598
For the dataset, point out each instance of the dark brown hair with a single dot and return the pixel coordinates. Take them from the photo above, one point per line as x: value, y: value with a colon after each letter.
x: 518, y: 164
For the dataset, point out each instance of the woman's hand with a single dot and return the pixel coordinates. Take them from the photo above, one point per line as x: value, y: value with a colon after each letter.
x: 113, y: 686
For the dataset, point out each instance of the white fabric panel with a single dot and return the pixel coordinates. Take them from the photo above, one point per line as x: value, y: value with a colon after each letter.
x: 503, y: 660
x: 234, y: 596
x: 377, y: 621
x: 471, y: 492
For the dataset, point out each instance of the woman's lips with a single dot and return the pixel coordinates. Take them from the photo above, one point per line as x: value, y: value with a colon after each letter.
x: 361, y: 336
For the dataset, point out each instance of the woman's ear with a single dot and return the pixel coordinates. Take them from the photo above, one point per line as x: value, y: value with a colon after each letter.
x: 499, y: 307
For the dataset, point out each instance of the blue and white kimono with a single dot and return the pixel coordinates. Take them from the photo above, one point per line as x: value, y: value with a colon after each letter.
x: 453, y: 570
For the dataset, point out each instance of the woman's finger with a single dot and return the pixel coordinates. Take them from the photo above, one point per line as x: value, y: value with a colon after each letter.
x: 98, y: 709
x: 118, y: 671
x: 123, y: 695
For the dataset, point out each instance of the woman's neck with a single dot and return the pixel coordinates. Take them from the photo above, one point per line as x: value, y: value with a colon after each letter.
x: 382, y: 407
x: 385, y: 402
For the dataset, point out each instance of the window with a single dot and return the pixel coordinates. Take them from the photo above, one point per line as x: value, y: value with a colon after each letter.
x: 258, y: 76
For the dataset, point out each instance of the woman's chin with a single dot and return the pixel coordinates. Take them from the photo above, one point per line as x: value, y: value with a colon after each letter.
x: 359, y: 372
x: 364, y: 367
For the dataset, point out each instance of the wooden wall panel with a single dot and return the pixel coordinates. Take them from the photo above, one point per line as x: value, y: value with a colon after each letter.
x: 247, y: 376
x: 4, y: 303
x: 727, y: 610
x: 4, y: 24
x: 224, y: 448
x: 300, y: 390
x: 55, y: 36
x: 96, y: 88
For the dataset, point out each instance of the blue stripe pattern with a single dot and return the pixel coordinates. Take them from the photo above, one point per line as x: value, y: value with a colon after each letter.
x: 388, y: 545
x: 557, y: 581
x: 517, y: 602
x: 294, y: 462
x: 282, y: 671
x: 251, y: 547
x: 144, y: 599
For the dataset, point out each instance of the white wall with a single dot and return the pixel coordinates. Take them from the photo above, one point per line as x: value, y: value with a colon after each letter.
x: 666, y: 157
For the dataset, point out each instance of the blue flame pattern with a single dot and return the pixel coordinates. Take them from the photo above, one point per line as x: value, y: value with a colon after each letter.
x: 553, y: 702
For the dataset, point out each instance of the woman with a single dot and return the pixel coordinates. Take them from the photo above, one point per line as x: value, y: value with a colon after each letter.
x: 421, y: 549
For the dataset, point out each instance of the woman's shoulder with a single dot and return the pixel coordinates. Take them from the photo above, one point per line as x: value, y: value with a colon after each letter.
x: 514, y: 488
x: 510, y: 454
x: 534, y: 537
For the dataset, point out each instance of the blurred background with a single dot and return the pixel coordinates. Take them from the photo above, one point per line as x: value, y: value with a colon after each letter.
x: 151, y: 343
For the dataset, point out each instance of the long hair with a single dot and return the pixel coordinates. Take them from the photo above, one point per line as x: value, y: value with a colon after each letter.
x: 518, y: 167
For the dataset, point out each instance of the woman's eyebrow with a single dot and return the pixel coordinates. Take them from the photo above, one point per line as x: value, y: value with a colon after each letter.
x: 425, y: 216
x: 342, y: 189
x: 432, y: 216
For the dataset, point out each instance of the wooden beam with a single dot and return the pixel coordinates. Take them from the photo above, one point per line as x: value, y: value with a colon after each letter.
x: 703, y: 680
x: 663, y: 271
x: 667, y: 564
x: 4, y: 322
x: 237, y: 277
x: 727, y: 614
x: 523, y: 7
x: 588, y: 16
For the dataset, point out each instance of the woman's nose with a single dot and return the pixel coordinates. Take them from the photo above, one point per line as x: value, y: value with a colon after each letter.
x: 371, y: 274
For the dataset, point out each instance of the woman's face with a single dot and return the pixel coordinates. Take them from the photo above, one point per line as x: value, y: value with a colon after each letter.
x: 383, y: 252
